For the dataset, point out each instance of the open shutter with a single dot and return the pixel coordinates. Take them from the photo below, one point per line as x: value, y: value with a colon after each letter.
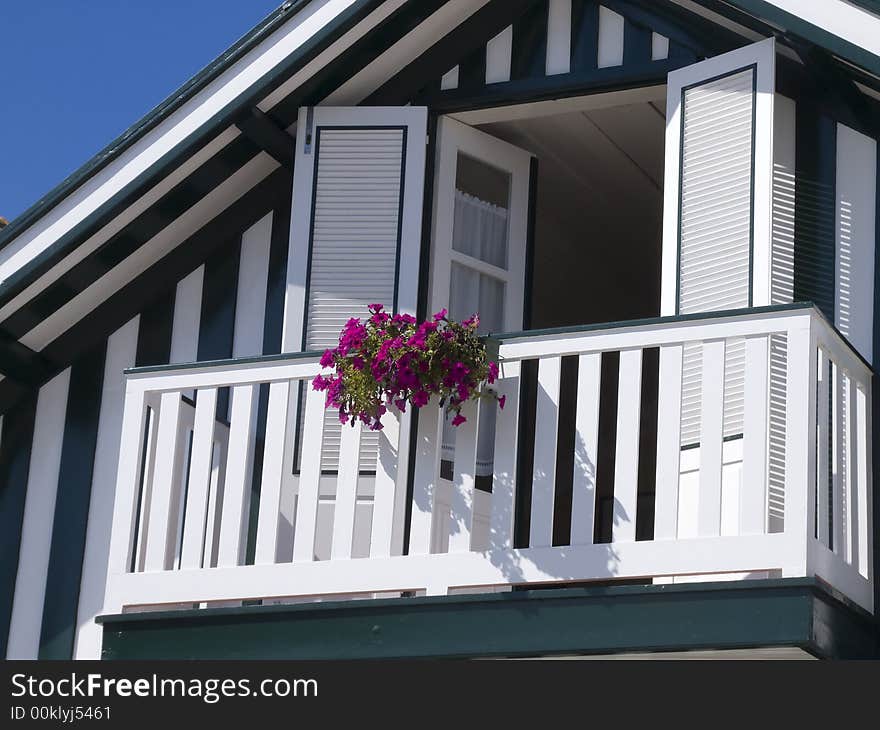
x: 355, y: 229
x: 718, y: 205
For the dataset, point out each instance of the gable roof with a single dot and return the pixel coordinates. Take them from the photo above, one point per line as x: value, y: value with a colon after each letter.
x: 303, y: 53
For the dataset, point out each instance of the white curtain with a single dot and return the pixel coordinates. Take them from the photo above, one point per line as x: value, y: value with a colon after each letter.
x: 479, y: 231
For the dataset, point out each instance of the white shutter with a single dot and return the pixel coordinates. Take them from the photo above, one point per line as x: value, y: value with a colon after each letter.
x: 717, y: 208
x: 355, y: 230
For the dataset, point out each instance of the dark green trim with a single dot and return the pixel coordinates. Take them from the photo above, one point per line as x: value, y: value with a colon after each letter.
x: 338, y: 26
x: 72, y: 501
x: 558, y: 86
x: 584, y: 35
x: 154, y: 332
x: 637, y: 42
x: 721, y: 616
x: 173, y: 159
x: 21, y: 363
x: 528, y: 56
x: 15, y: 458
x: 813, y: 33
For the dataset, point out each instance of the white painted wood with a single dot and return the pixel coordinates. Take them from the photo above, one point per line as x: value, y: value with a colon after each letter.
x: 863, y: 484
x: 586, y: 450
x: 39, y: 512
x: 236, y: 489
x: 711, y: 438
x: 838, y: 439
x: 823, y: 445
x: 454, y: 138
x: 850, y: 475
x: 498, y: 51
x: 668, y: 442
x: 461, y: 517
x: 310, y: 477
x: 346, y: 492
x: 146, y: 483
x: 277, y: 437
x: 800, y: 426
x: 449, y: 79
x: 187, y: 315
x: 121, y: 350
x: 250, y: 300
x: 626, y: 462
x: 659, y: 47
x: 610, y: 38
x: 200, y: 470
x: 544, y: 471
x: 504, y: 465
x: 558, y: 37
x: 426, y: 478
x: 185, y: 427
x: 753, y: 494
x: 756, y: 175
x: 390, y: 466
x: 856, y: 218
x: 165, y: 486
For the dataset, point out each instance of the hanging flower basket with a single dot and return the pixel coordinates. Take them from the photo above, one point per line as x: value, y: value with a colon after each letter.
x: 393, y: 360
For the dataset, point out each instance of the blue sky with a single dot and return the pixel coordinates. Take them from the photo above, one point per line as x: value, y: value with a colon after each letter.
x: 76, y: 73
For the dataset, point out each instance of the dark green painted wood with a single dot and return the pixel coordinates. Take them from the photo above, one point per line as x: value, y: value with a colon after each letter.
x: 637, y: 42
x: 72, y: 507
x: 584, y: 35
x: 21, y: 363
x: 154, y: 331
x: 15, y: 458
x: 472, y: 70
x: 747, y: 614
x: 261, y: 129
x: 815, y: 209
x: 528, y: 57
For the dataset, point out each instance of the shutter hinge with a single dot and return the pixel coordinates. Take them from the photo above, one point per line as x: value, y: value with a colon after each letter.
x: 310, y: 122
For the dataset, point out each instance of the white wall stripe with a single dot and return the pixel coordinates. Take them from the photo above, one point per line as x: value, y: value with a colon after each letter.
x: 187, y: 314
x: 498, y: 53
x: 253, y: 272
x: 856, y: 221
x: 450, y: 79
x: 39, y: 510
x: 558, y: 37
x: 610, y: 38
x: 659, y: 47
x: 121, y: 350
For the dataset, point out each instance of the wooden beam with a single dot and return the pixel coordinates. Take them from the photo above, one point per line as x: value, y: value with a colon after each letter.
x: 21, y: 363
x: 262, y: 130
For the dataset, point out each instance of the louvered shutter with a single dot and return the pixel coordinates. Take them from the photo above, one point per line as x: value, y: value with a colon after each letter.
x: 355, y: 232
x: 717, y: 209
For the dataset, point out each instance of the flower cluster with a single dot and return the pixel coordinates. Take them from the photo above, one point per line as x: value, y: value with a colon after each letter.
x: 393, y: 360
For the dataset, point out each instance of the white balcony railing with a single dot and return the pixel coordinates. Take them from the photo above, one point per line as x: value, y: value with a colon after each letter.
x: 792, y: 497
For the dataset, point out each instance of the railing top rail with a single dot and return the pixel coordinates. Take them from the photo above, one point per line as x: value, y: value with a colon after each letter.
x: 538, y: 335
x: 223, y: 364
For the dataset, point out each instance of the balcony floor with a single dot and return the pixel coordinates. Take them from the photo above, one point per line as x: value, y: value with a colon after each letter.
x: 745, y: 619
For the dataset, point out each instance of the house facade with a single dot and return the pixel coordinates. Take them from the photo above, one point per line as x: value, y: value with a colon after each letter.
x: 665, y: 214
